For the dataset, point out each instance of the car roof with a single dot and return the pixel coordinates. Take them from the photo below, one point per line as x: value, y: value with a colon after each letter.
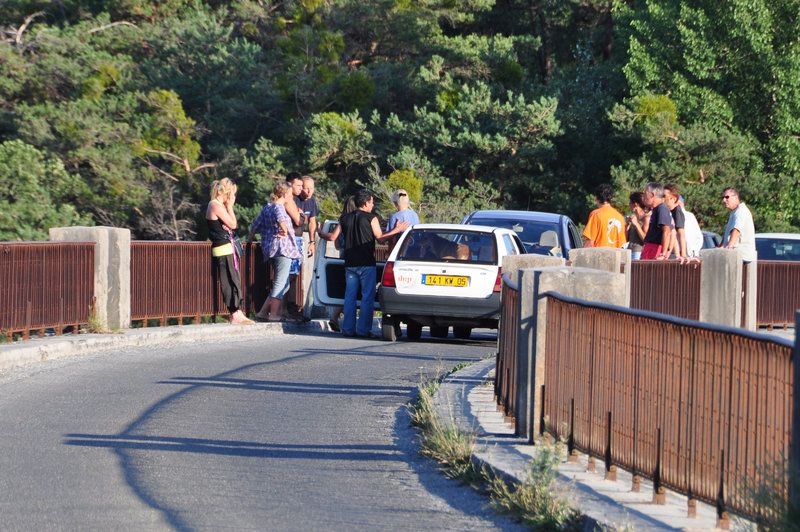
x: 517, y: 215
x: 461, y: 227
x: 785, y: 236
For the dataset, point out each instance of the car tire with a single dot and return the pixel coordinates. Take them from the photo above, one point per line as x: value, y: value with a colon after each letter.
x: 439, y: 331
x: 388, y: 332
x: 462, y: 333
x: 413, y: 330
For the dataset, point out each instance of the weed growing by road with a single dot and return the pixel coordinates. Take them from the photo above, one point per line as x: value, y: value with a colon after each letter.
x: 530, y: 502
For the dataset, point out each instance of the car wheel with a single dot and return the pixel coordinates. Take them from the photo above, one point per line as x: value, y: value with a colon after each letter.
x: 462, y: 333
x: 439, y: 331
x: 413, y: 330
x: 388, y: 331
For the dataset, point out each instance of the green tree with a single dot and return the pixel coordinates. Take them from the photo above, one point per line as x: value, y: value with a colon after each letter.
x: 34, y: 193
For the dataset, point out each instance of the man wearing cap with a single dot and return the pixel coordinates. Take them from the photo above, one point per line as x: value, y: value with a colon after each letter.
x: 404, y: 213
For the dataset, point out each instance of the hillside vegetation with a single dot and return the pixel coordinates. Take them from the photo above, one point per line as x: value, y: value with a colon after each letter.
x: 122, y: 112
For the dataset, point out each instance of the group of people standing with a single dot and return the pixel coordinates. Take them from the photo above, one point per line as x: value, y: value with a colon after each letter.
x: 659, y: 226
x: 280, y: 223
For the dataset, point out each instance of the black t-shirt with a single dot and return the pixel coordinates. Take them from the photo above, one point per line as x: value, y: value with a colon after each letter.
x: 307, y: 207
x: 359, y: 240
x: 659, y: 216
x: 678, y: 218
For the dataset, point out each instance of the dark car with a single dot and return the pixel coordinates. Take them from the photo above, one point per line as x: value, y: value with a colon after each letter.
x: 543, y: 233
x: 778, y: 246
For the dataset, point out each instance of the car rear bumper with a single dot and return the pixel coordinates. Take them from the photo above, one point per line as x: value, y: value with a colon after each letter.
x: 438, y: 310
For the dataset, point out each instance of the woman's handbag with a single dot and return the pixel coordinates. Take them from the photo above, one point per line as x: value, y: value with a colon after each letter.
x: 238, y: 247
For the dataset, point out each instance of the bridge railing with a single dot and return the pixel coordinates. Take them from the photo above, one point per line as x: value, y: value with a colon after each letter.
x: 505, y: 377
x: 45, y: 285
x: 668, y: 287
x: 175, y: 280
x: 777, y: 292
x: 704, y: 410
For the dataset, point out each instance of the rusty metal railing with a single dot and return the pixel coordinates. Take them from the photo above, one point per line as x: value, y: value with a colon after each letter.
x: 45, y: 285
x: 777, y: 292
x: 175, y: 280
x: 668, y: 287
x: 702, y: 409
x: 505, y: 376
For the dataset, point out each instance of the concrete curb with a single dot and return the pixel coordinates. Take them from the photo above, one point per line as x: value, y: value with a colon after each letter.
x: 467, y: 397
x: 20, y: 354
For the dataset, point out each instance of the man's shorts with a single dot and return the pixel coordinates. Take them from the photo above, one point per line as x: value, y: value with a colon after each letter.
x: 650, y: 251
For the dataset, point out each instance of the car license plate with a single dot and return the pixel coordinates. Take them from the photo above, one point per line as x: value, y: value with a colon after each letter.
x: 445, y: 280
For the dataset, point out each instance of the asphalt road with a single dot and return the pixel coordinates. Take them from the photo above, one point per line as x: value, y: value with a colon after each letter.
x: 297, y: 432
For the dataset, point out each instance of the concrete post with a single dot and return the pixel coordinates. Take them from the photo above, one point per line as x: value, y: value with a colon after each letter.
x: 112, y: 270
x: 512, y: 265
x: 606, y: 259
x: 750, y: 311
x: 721, y: 287
x: 582, y: 283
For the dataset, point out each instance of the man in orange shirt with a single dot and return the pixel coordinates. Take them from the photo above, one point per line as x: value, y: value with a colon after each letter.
x: 606, y: 226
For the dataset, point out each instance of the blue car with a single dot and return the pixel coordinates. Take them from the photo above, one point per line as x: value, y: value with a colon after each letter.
x: 541, y: 232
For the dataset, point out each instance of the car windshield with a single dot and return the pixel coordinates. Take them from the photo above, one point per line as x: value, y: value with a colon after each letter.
x: 449, y: 245
x: 777, y: 249
x: 538, y: 237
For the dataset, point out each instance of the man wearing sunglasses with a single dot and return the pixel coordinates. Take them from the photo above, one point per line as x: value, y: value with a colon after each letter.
x: 740, y: 232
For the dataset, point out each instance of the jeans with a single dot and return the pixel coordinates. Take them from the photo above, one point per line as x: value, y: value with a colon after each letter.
x: 355, y: 277
x: 280, y: 284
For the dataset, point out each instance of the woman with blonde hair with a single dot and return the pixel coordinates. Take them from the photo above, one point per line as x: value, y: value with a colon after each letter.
x: 221, y: 223
x: 279, y: 248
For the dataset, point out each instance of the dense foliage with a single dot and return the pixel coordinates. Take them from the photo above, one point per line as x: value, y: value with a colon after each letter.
x: 121, y: 112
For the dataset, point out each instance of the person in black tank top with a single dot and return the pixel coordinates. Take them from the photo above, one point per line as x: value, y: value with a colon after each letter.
x: 221, y: 223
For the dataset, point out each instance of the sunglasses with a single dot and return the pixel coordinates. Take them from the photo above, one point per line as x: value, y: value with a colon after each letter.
x: 402, y: 194
x: 726, y: 197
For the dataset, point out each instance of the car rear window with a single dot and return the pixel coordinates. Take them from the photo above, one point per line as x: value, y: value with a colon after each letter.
x: 438, y: 245
x: 777, y: 249
x: 537, y: 237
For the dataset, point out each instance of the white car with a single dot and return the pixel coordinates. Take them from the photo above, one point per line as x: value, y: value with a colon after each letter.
x: 442, y: 275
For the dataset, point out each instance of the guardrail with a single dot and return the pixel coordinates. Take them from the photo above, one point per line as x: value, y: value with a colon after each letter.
x: 175, y: 280
x: 777, y: 292
x: 668, y: 287
x: 45, y: 285
x: 505, y: 376
x: 701, y: 409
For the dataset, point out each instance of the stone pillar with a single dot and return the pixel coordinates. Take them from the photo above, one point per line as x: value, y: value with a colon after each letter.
x: 581, y: 283
x: 112, y: 270
x: 721, y: 287
x: 751, y: 308
x: 512, y: 265
x: 606, y: 259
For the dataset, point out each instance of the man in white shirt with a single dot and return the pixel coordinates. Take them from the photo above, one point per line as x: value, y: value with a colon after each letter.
x: 740, y: 232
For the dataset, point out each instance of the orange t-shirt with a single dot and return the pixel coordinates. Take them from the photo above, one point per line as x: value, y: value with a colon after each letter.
x: 606, y: 227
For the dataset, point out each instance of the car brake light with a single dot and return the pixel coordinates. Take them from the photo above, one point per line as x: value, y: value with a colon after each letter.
x: 498, y: 284
x: 388, y: 275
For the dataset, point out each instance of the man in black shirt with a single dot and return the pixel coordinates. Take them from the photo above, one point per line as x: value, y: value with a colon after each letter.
x: 361, y: 230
